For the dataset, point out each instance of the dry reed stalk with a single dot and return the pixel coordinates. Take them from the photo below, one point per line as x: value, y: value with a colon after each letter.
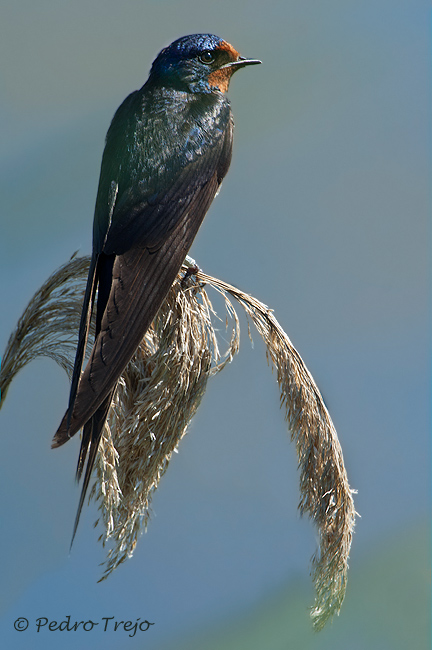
x: 48, y: 326
x: 159, y: 393
x: 325, y: 494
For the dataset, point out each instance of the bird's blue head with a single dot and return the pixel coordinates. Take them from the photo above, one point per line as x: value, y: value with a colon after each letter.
x: 197, y: 63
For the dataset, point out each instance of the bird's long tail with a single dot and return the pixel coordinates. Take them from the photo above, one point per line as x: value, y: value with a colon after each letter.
x: 92, y: 433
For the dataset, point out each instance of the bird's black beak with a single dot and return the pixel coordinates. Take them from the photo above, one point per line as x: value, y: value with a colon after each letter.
x: 241, y: 63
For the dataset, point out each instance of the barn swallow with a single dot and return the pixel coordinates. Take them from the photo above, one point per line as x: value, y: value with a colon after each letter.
x: 166, y: 152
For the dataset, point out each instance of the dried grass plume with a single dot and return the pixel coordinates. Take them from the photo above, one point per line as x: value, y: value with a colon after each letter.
x: 159, y: 393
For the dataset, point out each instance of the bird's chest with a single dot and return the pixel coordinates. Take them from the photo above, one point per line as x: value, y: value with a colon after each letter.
x: 177, y: 130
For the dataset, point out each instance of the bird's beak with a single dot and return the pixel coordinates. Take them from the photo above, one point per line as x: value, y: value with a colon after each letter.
x: 240, y: 63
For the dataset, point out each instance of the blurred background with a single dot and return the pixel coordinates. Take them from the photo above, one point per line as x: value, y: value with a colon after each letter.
x: 324, y: 216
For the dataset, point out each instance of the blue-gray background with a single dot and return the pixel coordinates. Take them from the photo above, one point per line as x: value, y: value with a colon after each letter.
x: 323, y: 216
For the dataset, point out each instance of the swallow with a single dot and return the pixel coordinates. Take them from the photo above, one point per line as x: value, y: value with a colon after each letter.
x: 166, y: 153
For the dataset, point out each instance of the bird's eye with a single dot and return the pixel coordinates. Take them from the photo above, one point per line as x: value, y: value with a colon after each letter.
x: 207, y: 57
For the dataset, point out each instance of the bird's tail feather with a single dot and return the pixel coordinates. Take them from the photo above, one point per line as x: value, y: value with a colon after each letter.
x: 91, y: 436
x: 86, y: 314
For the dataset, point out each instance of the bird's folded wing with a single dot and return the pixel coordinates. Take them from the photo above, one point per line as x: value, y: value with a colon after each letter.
x: 140, y: 281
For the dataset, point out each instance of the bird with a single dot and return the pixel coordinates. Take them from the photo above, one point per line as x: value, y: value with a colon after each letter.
x: 166, y: 153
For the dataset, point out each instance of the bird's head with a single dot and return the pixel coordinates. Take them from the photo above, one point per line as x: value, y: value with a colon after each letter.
x: 197, y: 63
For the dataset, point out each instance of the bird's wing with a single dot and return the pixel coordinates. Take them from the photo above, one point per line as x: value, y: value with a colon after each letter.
x: 141, y: 278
